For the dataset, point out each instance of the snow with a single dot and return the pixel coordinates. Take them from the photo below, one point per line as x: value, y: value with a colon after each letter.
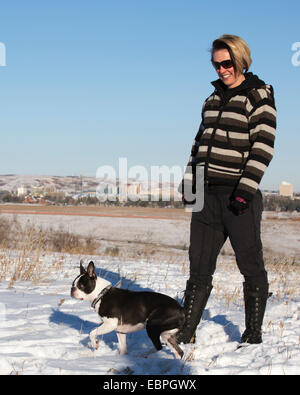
x: 280, y: 231
x: 44, y: 331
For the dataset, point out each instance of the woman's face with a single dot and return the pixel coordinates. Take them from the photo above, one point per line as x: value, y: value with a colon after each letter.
x: 229, y: 76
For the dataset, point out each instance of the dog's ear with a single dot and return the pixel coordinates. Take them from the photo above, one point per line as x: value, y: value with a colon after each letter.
x: 91, y: 270
x: 82, y: 269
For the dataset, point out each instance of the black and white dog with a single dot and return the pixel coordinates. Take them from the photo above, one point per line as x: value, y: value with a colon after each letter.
x: 127, y: 311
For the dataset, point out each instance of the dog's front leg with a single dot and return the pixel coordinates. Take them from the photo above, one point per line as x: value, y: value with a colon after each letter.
x: 122, y: 343
x: 109, y: 325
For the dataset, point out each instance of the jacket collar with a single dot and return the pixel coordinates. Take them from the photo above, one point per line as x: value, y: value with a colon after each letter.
x: 251, y: 81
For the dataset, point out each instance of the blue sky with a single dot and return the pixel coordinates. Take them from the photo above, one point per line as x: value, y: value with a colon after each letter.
x: 88, y: 82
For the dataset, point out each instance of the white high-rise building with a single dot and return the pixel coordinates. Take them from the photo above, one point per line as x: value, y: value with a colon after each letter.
x: 22, y: 191
x: 286, y: 189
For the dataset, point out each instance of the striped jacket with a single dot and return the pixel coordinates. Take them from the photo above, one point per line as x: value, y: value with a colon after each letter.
x: 235, y: 141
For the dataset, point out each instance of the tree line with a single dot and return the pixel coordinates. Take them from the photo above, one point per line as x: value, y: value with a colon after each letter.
x: 271, y: 202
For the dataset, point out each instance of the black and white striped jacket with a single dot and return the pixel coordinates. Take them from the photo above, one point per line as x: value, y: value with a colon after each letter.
x: 235, y: 141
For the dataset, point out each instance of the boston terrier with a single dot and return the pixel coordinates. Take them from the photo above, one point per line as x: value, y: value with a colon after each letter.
x: 127, y: 311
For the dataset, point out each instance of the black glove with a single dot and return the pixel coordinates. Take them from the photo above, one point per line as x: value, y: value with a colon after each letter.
x: 238, y: 205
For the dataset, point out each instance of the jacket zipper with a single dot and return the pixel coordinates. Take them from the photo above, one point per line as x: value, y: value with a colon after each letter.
x: 211, y: 143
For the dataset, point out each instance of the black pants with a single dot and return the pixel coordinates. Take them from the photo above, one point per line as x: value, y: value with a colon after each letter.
x: 210, y: 229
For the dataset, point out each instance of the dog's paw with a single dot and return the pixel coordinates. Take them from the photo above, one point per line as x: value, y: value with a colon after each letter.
x: 94, y: 344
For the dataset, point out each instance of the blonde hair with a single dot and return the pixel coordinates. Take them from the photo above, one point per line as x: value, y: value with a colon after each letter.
x: 238, y: 49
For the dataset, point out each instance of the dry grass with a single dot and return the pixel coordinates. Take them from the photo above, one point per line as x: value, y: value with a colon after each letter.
x: 283, y: 273
x: 25, y: 265
x: 22, y: 250
x: 14, y: 236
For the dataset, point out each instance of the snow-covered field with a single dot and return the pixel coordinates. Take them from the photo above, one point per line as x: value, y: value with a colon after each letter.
x: 44, y: 331
x: 280, y: 231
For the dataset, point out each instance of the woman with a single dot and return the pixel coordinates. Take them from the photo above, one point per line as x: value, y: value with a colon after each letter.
x: 234, y: 144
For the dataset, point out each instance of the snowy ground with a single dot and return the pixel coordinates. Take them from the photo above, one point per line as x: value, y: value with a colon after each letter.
x: 44, y: 331
x: 280, y: 231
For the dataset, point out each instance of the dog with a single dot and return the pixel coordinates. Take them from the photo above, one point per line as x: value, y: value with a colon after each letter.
x: 127, y: 311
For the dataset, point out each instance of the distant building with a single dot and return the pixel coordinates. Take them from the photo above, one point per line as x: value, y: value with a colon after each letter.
x: 286, y: 189
x: 22, y: 191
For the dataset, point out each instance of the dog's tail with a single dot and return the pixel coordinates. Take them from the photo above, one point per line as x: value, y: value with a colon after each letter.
x: 181, y: 318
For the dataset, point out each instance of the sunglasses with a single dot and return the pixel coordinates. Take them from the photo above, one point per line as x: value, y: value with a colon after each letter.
x: 226, y: 64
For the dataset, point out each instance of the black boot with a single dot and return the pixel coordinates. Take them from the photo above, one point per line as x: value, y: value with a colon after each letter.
x: 255, y: 297
x: 195, y: 299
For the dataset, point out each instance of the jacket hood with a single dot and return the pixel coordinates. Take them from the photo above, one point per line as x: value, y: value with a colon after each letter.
x: 251, y: 81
